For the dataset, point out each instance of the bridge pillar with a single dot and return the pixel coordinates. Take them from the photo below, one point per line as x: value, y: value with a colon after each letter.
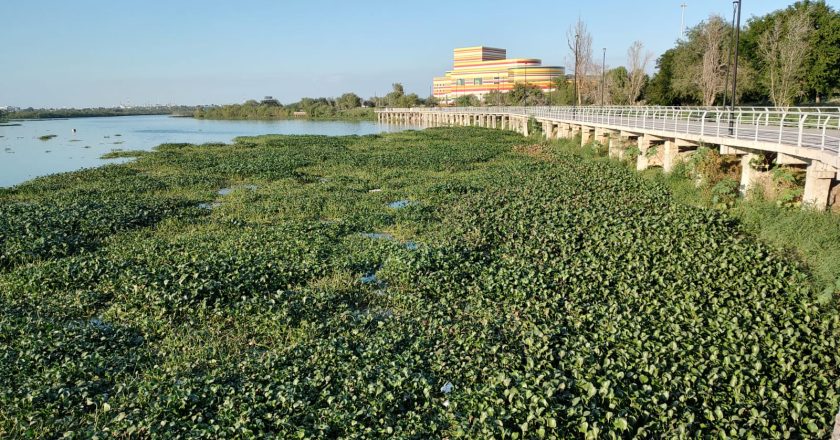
x: 524, y: 124
x: 748, y: 173
x: 587, y: 135
x: 644, y: 146
x: 576, y: 130
x: 818, y: 179
x: 602, y: 136
x: 670, y: 155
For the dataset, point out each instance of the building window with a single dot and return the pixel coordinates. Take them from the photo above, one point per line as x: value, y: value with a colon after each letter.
x: 477, y: 81
x: 460, y: 82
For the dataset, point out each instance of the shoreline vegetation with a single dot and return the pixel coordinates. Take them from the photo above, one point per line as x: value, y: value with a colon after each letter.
x: 450, y: 282
x: 36, y: 114
x: 348, y: 106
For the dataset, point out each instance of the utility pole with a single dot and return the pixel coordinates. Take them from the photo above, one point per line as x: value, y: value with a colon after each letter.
x: 682, y: 20
x: 603, y: 76
x: 577, y: 38
x: 735, y: 70
x: 729, y: 60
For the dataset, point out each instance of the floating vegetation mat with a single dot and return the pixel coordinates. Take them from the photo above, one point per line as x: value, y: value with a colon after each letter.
x: 551, y: 297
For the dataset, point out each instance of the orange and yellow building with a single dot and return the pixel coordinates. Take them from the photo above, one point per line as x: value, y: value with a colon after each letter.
x: 479, y: 70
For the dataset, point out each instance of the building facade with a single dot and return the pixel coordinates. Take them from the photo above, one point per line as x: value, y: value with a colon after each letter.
x: 480, y: 70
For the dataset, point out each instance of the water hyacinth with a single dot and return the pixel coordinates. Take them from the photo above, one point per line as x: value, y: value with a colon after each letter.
x: 552, y: 297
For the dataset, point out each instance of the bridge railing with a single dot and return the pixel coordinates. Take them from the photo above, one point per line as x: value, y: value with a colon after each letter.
x: 769, y: 125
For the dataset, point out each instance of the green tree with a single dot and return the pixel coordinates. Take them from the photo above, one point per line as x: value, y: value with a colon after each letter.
x: 494, y: 97
x: 526, y: 94
x: 617, y: 85
x: 563, y: 93
x: 467, y: 101
x: 348, y: 101
x: 820, y: 70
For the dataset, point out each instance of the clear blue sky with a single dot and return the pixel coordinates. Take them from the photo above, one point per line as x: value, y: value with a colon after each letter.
x: 82, y: 53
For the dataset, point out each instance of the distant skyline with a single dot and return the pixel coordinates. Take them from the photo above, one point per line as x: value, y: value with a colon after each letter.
x: 88, y: 53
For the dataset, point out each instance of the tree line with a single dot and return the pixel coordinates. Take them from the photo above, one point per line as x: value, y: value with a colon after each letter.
x: 788, y: 57
x: 346, y: 106
x: 41, y: 113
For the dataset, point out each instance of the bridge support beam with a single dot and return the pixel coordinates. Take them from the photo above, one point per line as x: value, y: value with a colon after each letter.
x: 645, y: 143
x: 587, y: 135
x: 818, y: 180
x: 748, y: 173
x: 602, y: 136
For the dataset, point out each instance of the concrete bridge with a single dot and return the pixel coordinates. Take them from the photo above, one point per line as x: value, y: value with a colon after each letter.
x: 807, y: 137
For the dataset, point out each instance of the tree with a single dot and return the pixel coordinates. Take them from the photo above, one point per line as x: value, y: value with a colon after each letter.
x: 700, y: 64
x: 822, y: 66
x: 637, y: 62
x: 467, y: 101
x: 784, y: 48
x: 495, y: 97
x: 348, y: 101
x: 563, y: 93
x: 526, y: 94
x: 580, y: 44
x: 660, y: 90
x: 616, y: 83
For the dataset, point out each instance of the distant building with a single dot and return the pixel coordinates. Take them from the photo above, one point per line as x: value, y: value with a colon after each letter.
x: 269, y: 100
x: 479, y: 70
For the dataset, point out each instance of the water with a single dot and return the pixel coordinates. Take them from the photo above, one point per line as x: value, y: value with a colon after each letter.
x: 23, y: 156
x: 399, y: 204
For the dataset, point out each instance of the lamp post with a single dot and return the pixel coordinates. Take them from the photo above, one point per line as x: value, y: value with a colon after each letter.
x: 735, y: 69
x: 729, y: 60
x: 603, y: 76
x: 577, y: 38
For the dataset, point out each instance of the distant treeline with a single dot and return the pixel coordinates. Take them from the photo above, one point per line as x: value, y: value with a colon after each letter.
x: 347, y: 106
x: 33, y: 113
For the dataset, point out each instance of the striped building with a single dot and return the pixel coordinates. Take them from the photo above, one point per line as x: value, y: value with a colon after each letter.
x: 479, y: 70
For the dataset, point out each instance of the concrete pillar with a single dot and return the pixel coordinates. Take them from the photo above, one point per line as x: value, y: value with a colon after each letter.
x: 614, y: 148
x: 748, y: 174
x: 525, y: 131
x: 644, y: 145
x: 818, y: 178
x: 670, y: 155
x: 587, y: 135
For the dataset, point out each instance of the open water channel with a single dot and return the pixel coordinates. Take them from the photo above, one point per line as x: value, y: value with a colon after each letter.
x: 24, y: 156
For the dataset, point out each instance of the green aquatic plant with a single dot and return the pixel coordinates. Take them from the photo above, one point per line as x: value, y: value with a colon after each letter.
x: 515, y: 296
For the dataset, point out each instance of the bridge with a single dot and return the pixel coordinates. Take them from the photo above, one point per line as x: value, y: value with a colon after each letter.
x: 807, y: 137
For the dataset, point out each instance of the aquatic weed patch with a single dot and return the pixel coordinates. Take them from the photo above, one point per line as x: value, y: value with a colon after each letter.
x: 548, y: 297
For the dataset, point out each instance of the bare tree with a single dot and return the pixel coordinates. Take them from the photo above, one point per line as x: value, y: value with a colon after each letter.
x: 580, y: 43
x: 637, y: 62
x: 784, y: 46
x: 713, y: 67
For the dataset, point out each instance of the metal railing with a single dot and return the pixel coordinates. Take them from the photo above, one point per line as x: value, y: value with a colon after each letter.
x: 803, y: 127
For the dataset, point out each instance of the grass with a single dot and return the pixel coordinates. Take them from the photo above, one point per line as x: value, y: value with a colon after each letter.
x: 47, y: 137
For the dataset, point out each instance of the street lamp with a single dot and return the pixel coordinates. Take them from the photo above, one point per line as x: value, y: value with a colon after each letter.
x: 735, y: 69
x: 577, y: 38
x: 603, y: 76
x: 729, y: 60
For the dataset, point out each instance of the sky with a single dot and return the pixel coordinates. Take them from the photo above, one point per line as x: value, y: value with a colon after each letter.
x: 90, y: 53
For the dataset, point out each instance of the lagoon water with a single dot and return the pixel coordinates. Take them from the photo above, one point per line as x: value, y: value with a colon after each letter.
x: 24, y: 156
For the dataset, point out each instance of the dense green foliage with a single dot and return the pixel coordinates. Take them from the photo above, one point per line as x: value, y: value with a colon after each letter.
x: 816, y: 80
x: 32, y: 113
x: 518, y: 292
x: 348, y: 106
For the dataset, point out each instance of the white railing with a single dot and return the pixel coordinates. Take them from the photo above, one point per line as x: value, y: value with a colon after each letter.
x: 805, y: 127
